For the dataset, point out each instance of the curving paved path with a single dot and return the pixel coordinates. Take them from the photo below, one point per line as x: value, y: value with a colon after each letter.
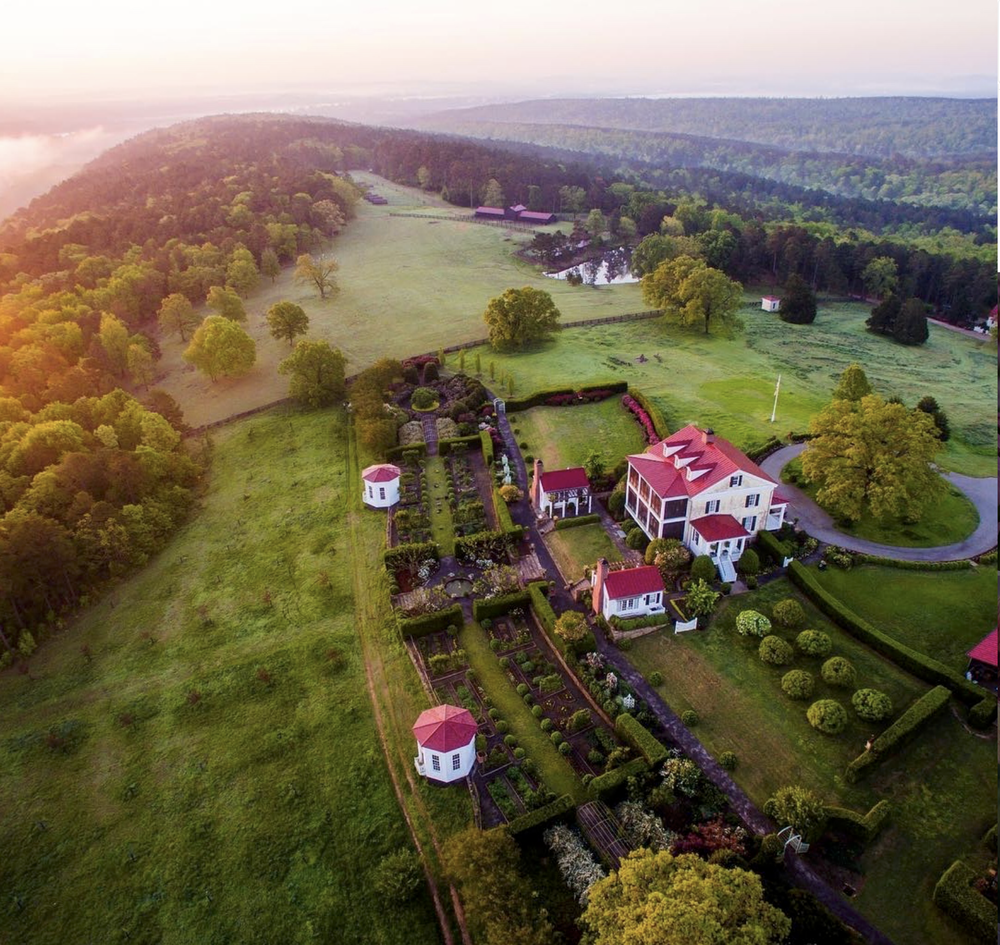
x: 982, y: 493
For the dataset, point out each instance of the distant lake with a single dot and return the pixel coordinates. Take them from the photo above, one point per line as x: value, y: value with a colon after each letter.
x: 610, y: 269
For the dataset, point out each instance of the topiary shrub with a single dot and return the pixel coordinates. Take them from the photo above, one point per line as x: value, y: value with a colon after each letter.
x: 637, y: 540
x: 503, y: 727
x: 703, y: 569
x: 775, y: 651
x: 749, y: 564
x: 797, y: 684
x: 556, y: 738
x: 537, y: 711
x: 595, y: 757
x: 423, y: 398
x: 565, y: 748
x: 519, y: 754
x: 750, y: 623
x: 838, y: 671
x: 827, y: 716
x: 616, y: 504
x: 521, y: 689
x: 546, y: 725
x: 655, y: 678
x: 872, y: 705
x: 510, y: 741
x: 728, y: 760
x: 814, y: 643
x: 690, y: 718
x: 788, y: 613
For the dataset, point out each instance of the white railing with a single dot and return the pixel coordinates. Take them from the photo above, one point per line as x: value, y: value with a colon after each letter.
x: 682, y: 626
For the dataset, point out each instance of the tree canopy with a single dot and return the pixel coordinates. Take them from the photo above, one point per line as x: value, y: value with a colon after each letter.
x: 660, y: 899
x: 317, y: 373
x: 688, y: 290
x: 177, y: 315
x: 286, y: 320
x: 800, y: 808
x: 853, y: 384
x: 318, y: 273
x: 798, y: 302
x: 520, y: 317
x: 226, y: 303
x: 221, y: 348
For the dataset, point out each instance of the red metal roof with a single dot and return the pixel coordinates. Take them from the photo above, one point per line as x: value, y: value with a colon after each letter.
x: 771, y: 298
x: 985, y: 651
x: 719, y: 527
x: 779, y: 499
x: 496, y: 211
x: 559, y: 479
x: 445, y: 728
x: 536, y: 215
x: 381, y: 472
x: 632, y: 582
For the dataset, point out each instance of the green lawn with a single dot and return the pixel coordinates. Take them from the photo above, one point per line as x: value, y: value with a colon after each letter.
x: 406, y: 286
x: 220, y: 778
x: 576, y: 549
x: 728, y: 384
x: 442, y: 527
x: 566, y: 436
x: 556, y: 772
x: 940, y: 613
x: 952, y: 519
x: 942, y: 787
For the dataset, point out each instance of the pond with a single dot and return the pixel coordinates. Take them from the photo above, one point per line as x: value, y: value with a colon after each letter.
x: 610, y: 269
x: 458, y: 588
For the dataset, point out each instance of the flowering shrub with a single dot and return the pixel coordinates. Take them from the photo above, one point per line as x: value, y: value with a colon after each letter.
x: 645, y: 421
x: 753, y: 624
x: 827, y: 716
x: 578, y: 397
x: 578, y: 867
x: 681, y: 776
x: 642, y: 827
x: 871, y: 705
x: 714, y: 835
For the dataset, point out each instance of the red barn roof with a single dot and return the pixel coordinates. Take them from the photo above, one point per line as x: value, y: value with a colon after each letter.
x: 985, y: 651
x: 493, y: 211
x: 771, y: 298
x: 445, y: 728
x: 719, y: 527
x: 536, y: 215
x: 632, y: 582
x: 559, y: 479
x: 381, y: 472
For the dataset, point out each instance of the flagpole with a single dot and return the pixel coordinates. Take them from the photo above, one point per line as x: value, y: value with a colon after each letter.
x: 774, y: 409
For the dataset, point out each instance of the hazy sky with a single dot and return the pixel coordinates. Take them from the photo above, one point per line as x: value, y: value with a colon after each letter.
x: 125, y: 49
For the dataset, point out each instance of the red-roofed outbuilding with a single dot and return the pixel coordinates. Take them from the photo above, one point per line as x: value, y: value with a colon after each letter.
x: 627, y: 593
x: 561, y: 492
x: 380, y: 485
x: 446, y: 743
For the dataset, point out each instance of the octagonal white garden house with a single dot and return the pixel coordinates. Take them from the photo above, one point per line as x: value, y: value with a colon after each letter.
x: 446, y: 743
x: 380, y: 485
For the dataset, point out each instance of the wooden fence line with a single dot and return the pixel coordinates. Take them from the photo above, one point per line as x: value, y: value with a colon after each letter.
x: 510, y: 224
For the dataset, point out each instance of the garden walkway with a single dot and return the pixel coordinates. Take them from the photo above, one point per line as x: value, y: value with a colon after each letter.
x: 982, y: 493
x: 430, y: 434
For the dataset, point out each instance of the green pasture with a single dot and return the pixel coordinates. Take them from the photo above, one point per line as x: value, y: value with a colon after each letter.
x: 207, y: 769
x: 942, y: 787
x: 566, y: 436
x: 576, y: 549
x: 729, y: 384
x: 941, y: 613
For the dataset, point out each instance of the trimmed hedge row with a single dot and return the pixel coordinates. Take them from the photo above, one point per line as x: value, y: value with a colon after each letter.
x: 919, y: 664
x: 486, y: 443
x: 864, y: 827
x: 431, y: 623
x: 606, y: 784
x: 560, y: 807
x: 963, y: 564
x: 577, y: 520
x: 774, y: 549
x: 641, y: 739
x: 394, y: 452
x: 640, y: 623
x: 659, y: 421
x: 954, y: 894
x: 543, y: 609
x: 446, y: 446
x: 901, y: 731
x: 538, y: 398
x: 757, y: 453
x: 481, y: 609
x: 425, y: 549
x: 504, y: 520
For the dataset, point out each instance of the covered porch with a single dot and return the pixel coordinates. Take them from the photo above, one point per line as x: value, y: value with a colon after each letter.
x: 776, y: 513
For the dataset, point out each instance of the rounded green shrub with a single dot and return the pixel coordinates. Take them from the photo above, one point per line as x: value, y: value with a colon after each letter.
x: 522, y: 688
x: 557, y: 738
x: 728, y: 760
x: 616, y: 503
x: 872, y: 705
x: 838, y: 671
x: 495, y: 645
x: 595, y: 757
x: 528, y: 699
x: 546, y: 725
x: 637, y: 540
x: 510, y: 741
x: 814, y: 643
x: 423, y: 398
x: 827, y: 716
x: 788, y: 613
x: 750, y: 623
x: 797, y: 684
x: 703, y: 569
x: 775, y: 651
x: 486, y: 623
x: 690, y: 718
x: 749, y: 564
x: 565, y: 748
x: 536, y: 711
x: 494, y: 714
x: 519, y: 754
x: 505, y: 662
x: 503, y: 727
x: 655, y: 678
x: 726, y: 588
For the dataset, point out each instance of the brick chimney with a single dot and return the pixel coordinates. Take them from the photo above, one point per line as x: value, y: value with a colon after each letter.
x: 536, y: 485
x: 708, y: 436
x: 600, y: 573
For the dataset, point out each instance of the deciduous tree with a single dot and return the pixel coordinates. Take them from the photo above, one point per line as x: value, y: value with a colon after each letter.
x: 853, y: 384
x: 911, y: 323
x: 270, y: 265
x: 800, y: 808
x: 318, y: 273
x: 226, y: 303
x: 571, y: 626
x: 242, y: 274
x: 493, y: 193
x: 798, y: 302
x: 881, y: 276
x: 317, y: 373
x: 220, y: 348
x: 177, y: 315
x: 520, y: 317
x: 286, y: 320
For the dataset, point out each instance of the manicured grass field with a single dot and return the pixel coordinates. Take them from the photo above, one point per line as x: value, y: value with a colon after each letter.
x: 946, y: 522
x: 566, y: 436
x: 219, y: 777
x: 576, y: 549
x: 942, y: 787
x: 728, y: 384
x: 406, y: 286
x: 940, y: 613
x: 442, y: 529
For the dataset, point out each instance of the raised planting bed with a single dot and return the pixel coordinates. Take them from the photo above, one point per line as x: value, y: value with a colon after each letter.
x: 441, y: 655
x: 511, y: 630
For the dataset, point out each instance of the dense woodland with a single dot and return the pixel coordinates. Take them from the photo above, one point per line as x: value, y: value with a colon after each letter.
x: 93, y: 479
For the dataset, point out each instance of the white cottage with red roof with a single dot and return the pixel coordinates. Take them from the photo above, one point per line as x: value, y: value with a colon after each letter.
x: 561, y: 492
x: 380, y: 485
x: 446, y: 743
x: 628, y: 593
x: 770, y: 303
x: 699, y: 488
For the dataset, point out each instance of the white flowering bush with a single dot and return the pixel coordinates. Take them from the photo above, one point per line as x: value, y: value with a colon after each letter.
x: 611, y: 682
x: 642, y: 827
x: 681, y: 776
x: 426, y: 569
x: 749, y: 623
x: 576, y: 863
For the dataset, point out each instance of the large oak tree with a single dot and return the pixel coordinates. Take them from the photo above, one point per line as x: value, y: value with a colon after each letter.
x: 520, y: 317
x: 220, y: 347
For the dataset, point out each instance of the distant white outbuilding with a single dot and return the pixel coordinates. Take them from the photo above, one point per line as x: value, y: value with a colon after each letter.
x: 770, y: 303
x: 380, y: 485
x: 446, y: 743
